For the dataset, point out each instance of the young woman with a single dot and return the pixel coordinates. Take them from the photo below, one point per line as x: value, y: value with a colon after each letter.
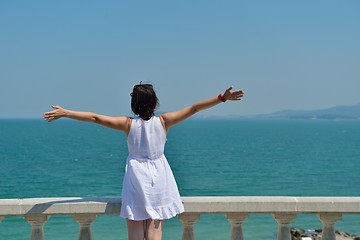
x: 149, y: 192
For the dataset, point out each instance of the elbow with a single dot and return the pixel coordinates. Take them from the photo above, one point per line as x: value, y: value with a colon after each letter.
x: 194, y: 109
x: 95, y: 119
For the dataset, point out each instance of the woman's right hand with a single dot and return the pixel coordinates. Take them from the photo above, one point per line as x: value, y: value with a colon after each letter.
x: 55, y: 114
x: 233, y: 95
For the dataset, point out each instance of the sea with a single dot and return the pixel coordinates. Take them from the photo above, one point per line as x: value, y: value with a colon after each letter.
x: 246, y: 157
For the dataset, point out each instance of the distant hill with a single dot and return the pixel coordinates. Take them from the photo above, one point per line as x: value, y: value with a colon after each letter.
x: 338, y: 112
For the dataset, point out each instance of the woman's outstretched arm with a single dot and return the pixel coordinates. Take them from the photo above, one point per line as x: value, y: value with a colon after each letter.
x: 172, y: 118
x: 120, y: 123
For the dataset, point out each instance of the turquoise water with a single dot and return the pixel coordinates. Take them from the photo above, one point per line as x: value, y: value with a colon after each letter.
x: 208, y: 158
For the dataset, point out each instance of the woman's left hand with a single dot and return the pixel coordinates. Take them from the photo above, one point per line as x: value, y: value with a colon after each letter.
x: 57, y: 113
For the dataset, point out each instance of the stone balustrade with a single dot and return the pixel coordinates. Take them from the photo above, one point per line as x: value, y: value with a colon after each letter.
x: 236, y: 209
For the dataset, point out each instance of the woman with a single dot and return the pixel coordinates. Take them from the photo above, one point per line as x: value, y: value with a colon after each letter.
x: 149, y: 193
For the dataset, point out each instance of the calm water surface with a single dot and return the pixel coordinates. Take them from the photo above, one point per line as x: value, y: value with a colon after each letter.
x: 208, y: 158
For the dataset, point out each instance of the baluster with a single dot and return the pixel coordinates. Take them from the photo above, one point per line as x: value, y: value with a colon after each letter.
x: 85, y: 221
x: 188, y: 220
x: 328, y: 220
x: 284, y: 220
x: 37, y: 222
x: 236, y: 220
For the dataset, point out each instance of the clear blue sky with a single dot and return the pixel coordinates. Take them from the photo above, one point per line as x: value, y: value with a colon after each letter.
x: 87, y: 55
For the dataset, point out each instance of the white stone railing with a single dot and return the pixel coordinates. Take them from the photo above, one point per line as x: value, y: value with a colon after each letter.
x: 236, y: 209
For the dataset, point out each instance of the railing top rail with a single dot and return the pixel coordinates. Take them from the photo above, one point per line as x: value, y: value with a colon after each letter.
x: 202, y: 205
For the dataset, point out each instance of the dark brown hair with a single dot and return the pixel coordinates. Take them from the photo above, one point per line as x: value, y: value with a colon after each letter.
x: 144, y: 101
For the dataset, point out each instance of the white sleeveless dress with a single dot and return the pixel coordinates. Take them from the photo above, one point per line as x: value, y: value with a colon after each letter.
x: 149, y: 188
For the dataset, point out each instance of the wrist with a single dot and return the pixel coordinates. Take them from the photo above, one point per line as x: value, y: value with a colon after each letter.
x: 221, y: 98
x: 65, y: 113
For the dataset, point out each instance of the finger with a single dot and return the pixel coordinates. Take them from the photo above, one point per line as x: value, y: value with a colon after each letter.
x: 229, y: 89
x: 49, y: 113
x: 50, y: 119
x: 47, y: 119
x: 238, y: 95
x: 239, y: 91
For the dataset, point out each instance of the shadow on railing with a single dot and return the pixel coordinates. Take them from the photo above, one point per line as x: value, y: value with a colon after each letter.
x: 236, y: 209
